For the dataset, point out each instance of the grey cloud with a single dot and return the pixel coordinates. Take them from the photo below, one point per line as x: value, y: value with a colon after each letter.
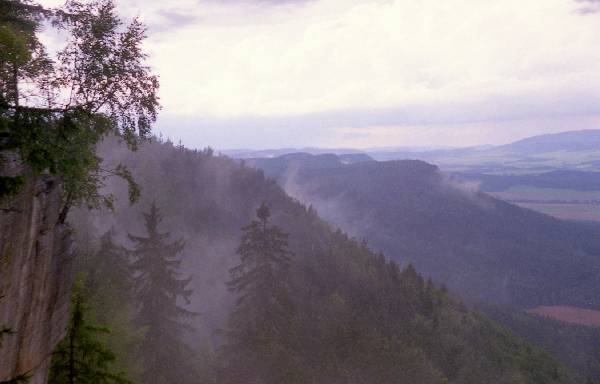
x: 264, y: 2
x: 588, y: 7
x: 305, y: 130
x: 173, y: 20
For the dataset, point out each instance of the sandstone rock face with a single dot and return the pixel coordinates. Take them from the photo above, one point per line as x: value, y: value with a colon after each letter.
x: 35, y: 278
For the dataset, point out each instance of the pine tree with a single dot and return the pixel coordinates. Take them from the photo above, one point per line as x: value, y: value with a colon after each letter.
x: 260, y: 338
x: 110, y: 267
x: 109, y: 288
x: 82, y: 357
x: 158, y: 287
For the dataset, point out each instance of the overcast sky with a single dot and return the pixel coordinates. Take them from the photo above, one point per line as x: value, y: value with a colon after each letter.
x: 350, y: 73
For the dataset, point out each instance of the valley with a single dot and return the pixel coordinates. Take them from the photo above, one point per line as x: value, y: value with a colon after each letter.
x: 462, y: 230
x: 410, y: 194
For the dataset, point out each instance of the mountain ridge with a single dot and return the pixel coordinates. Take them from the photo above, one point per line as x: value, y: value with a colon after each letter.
x: 363, y: 318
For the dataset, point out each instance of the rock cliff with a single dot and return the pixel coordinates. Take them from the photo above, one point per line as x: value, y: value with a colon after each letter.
x: 35, y: 276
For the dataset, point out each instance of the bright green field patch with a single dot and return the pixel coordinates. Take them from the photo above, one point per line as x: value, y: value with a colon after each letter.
x: 524, y: 192
x: 585, y: 212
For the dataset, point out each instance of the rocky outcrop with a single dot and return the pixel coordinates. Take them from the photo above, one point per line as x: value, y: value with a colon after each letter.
x: 35, y: 277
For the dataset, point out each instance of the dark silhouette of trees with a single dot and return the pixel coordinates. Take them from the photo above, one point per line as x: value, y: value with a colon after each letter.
x: 54, y: 112
x: 261, y: 325
x: 82, y: 357
x: 158, y: 288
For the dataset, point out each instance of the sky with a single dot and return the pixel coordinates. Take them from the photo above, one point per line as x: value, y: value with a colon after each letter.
x: 262, y: 74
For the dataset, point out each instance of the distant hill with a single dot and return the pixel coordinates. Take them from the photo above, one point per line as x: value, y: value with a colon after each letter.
x: 565, y: 141
x: 506, y: 258
x: 573, y: 150
x: 255, y: 153
x: 480, y: 246
x: 357, y: 318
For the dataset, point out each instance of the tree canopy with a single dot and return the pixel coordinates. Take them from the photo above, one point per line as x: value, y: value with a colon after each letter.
x: 54, y: 110
x: 158, y: 287
x: 82, y: 357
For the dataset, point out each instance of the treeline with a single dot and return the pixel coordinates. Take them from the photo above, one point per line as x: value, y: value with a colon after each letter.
x: 577, y: 346
x: 483, y: 248
x: 128, y: 304
x: 486, y: 250
x: 306, y: 303
x: 313, y: 306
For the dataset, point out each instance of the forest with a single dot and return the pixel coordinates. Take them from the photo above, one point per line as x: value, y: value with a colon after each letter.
x: 347, y: 314
x: 180, y: 265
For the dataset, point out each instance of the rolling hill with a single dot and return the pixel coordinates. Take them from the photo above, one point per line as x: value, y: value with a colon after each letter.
x: 360, y: 317
x: 572, y: 150
x: 482, y: 247
x: 503, y: 258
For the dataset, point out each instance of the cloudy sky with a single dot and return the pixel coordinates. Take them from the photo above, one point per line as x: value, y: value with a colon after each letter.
x: 369, y: 73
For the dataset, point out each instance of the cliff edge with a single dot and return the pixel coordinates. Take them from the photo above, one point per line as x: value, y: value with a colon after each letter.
x: 35, y: 276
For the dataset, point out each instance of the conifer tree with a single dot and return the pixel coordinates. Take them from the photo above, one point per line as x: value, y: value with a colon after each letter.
x: 109, y: 288
x: 260, y: 335
x: 158, y: 286
x: 110, y: 267
x: 82, y: 357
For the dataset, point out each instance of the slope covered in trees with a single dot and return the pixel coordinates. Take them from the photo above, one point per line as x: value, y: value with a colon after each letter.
x: 55, y: 105
x: 351, y: 315
x: 163, y: 355
x: 479, y: 246
x: 490, y: 251
x: 82, y: 356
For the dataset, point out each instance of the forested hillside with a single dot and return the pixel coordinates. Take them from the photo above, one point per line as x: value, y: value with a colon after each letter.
x: 480, y: 246
x: 351, y: 315
x: 498, y: 255
x: 126, y: 259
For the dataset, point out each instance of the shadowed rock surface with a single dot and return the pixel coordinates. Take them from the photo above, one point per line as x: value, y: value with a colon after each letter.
x: 35, y: 277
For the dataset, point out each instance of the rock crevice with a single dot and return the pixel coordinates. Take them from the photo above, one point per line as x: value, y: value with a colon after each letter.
x: 35, y: 278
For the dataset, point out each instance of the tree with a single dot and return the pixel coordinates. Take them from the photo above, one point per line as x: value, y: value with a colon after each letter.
x: 82, y: 356
x: 110, y: 267
x: 158, y: 288
x: 109, y: 288
x: 53, y: 111
x: 260, y: 336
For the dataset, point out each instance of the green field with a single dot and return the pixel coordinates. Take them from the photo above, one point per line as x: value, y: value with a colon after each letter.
x: 525, y: 192
x: 562, y: 203
x: 587, y: 212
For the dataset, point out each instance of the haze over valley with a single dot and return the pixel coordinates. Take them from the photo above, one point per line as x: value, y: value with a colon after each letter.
x: 299, y: 192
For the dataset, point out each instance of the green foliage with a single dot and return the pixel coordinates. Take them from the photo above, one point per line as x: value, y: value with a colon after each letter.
x: 20, y: 379
x: 11, y: 185
x: 354, y: 317
x: 261, y: 327
x: 164, y: 356
x: 578, y: 346
x: 499, y: 253
x: 82, y: 356
x: 97, y: 85
x: 359, y: 318
x: 109, y: 292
